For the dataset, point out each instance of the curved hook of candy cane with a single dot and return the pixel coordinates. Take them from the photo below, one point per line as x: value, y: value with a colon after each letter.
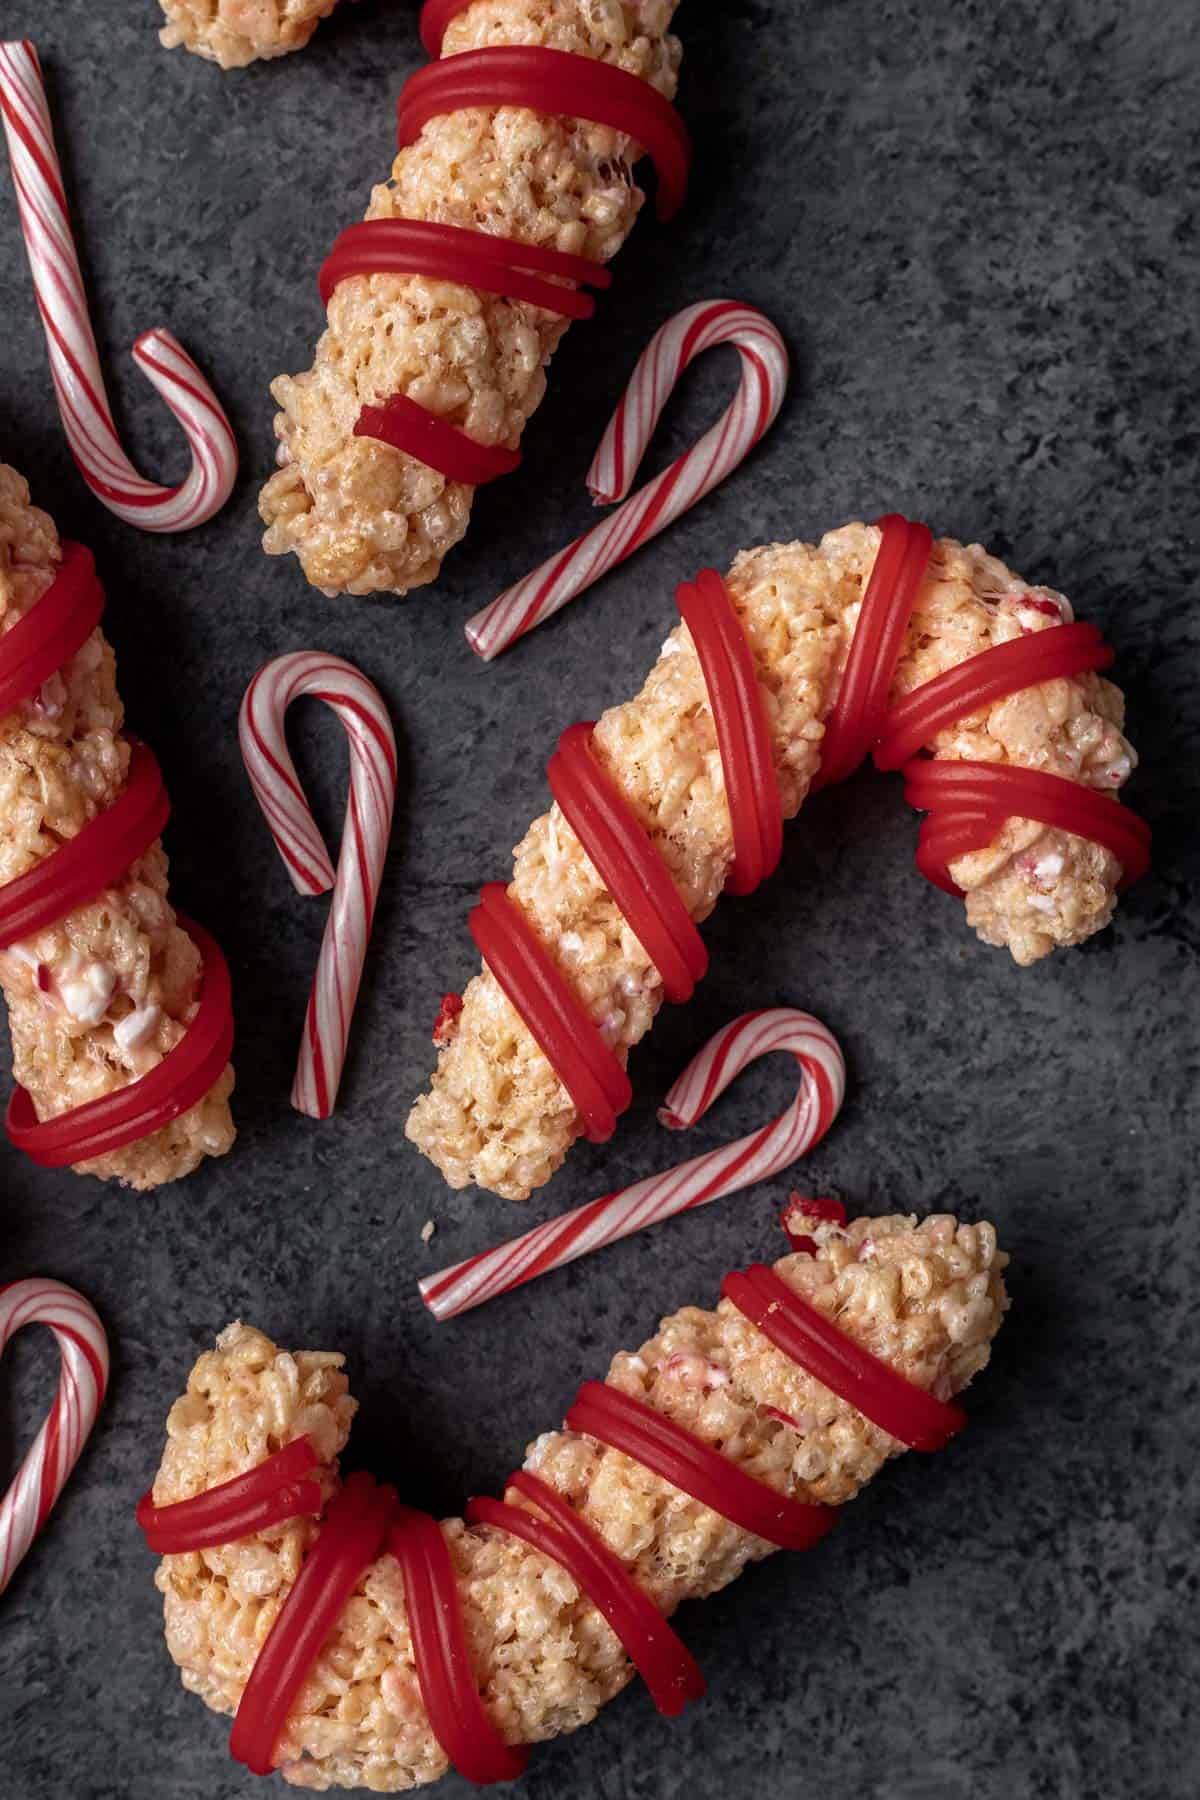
x: 761, y: 388
x: 71, y: 345
x: 261, y: 733
x: 83, y: 1379
x: 709, y: 1177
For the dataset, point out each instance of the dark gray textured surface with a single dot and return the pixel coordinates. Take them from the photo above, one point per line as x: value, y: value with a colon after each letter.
x: 977, y: 227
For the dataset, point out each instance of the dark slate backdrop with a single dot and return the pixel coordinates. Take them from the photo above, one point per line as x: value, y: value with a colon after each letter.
x: 976, y: 226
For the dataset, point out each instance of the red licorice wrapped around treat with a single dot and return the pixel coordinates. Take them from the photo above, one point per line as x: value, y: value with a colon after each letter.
x: 53, y: 649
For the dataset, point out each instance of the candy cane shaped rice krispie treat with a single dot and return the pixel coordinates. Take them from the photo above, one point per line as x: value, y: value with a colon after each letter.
x: 97, y: 998
x: 498, y: 1114
x: 236, y: 32
x: 360, y: 514
x: 925, y: 1299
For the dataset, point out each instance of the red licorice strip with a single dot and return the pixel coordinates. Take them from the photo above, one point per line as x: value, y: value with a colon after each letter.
x: 812, y: 1342
x: 95, y: 857
x: 274, y: 1488
x: 798, y: 1207
x: 181, y: 1079
x: 440, y: 1650
x: 634, y: 1428
x: 751, y: 790
x: 406, y: 426
x: 477, y: 259
x: 968, y: 804
x: 581, y: 1059
x: 52, y: 630
x: 660, y: 1657
x: 628, y: 863
x: 992, y: 675
x: 857, y: 716
x: 554, y: 81
x: 351, y: 1537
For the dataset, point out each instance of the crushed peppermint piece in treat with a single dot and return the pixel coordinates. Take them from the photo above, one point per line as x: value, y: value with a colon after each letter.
x: 43, y: 978
x: 695, y: 1371
x: 444, y: 1024
x: 135, y: 1030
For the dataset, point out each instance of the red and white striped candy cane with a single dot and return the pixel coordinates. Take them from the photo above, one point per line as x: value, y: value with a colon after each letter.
x: 763, y: 383
x: 359, y: 706
x: 75, y: 360
x: 725, y: 1171
x: 83, y: 1378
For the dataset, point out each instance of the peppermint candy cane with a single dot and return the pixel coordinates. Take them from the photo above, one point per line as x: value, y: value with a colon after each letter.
x: 725, y: 1171
x: 83, y: 1378
x: 71, y: 345
x: 764, y: 377
x: 360, y: 708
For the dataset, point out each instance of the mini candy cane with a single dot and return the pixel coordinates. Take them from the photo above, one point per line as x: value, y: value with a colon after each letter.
x: 83, y: 1377
x: 726, y: 1171
x: 764, y: 376
x: 359, y: 706
x: 74, y: 358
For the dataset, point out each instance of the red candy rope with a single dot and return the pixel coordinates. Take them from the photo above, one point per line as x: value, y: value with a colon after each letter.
x: 440, y: 1651
x: 810, y: 1340
x: 854, y: 721
x: 798, y: 1209
x: 410, y: 427
x: 742, y: 737
x: 478, y: 259
x: 351, y: 1537
x: 545, y: 80
x: 86, y: 864
x: 631, y: 869
x: 585, y: 1065
x: 263, y: 1496
x: 992, y: 675
x: 968, y: 803
x: 660, y: 1657
x: 629, y: 1425
x: 628, y: 863
x: 554, y: 81
x: 47, y: 637
x: 52, y: 630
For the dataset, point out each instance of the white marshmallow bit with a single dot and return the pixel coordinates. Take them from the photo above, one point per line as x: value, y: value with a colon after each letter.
x: 136, y: 1029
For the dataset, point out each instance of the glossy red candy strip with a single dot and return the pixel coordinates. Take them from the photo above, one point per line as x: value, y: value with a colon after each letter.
x: 477, y: 259
x: 84, y: 865
x: 584, y: 1064
x: 992, y: 675
x: 815, y: 1344
x: 857, y: 714
x: 448, y: 1687
x: 968, y: 804
x: 660, y: 1657
x: 406, y: 426
x: 273, y: 1491
x: 180, y: 1080
x: 53, y: 630
x: 351, y: 1537
x: 629, y: 1425
x: 735, y: 701
x: 554, y: 81
x: 627, y: 862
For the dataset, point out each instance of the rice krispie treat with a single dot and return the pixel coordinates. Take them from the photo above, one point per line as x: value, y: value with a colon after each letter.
x: 359, y: 514
x: 236, y: 32
x: 97, y: 999
x: 497, y: 1113
x: 925, y: 1299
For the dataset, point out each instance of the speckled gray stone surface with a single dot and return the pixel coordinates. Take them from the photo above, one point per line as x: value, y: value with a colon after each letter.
x: 977, y: 226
